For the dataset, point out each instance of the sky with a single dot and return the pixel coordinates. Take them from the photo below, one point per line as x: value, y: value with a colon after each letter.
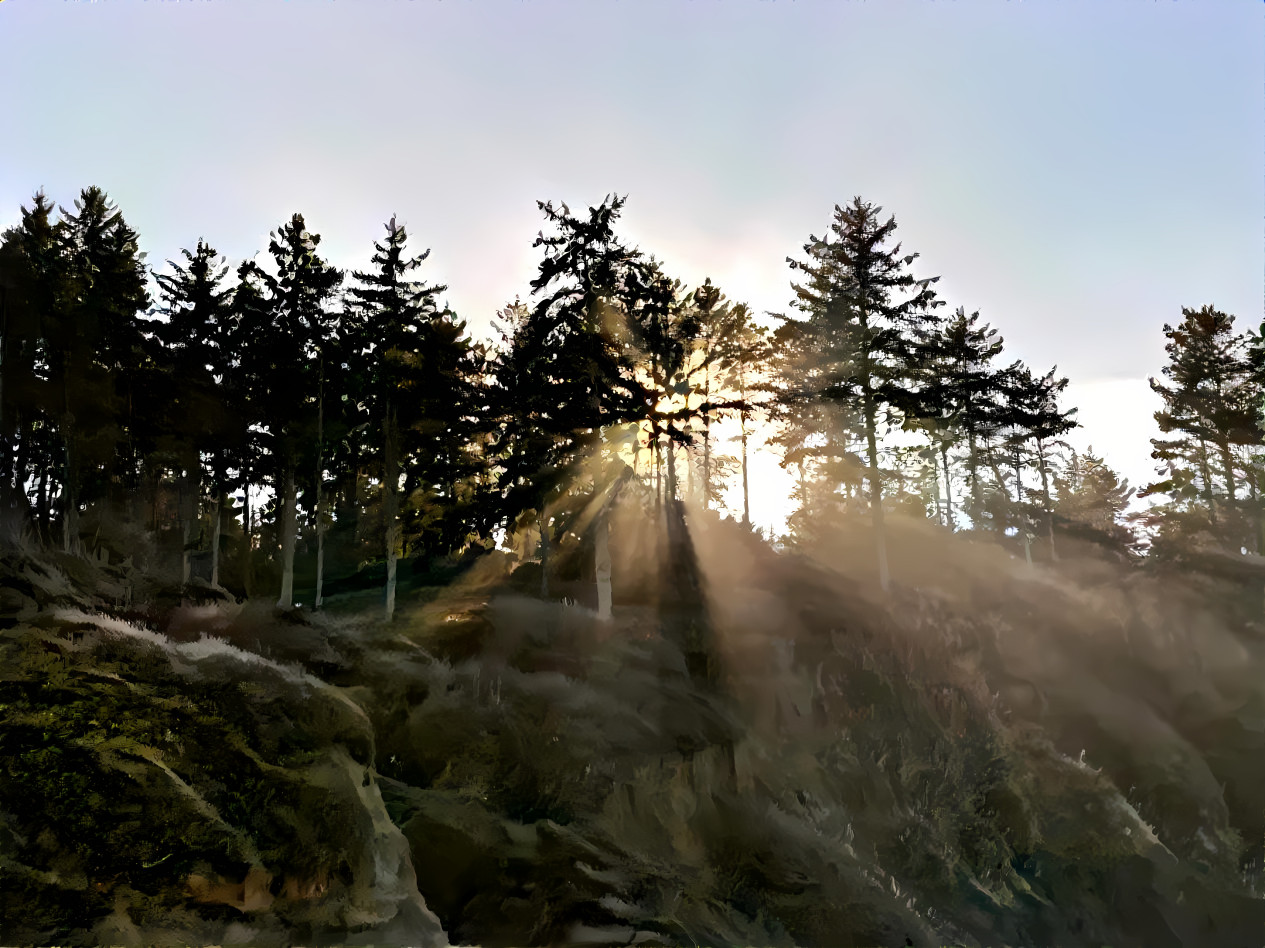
x: 1075, y: 170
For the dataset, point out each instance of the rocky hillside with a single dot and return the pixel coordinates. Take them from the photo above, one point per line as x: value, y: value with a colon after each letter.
x: 1070, y: 755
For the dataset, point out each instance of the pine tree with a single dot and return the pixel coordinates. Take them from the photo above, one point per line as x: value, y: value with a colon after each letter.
x: 744, y: 358
x: 409, y: 360
x: 1029, y: 421
x: 32, y: 284
x: 865, y: 332
x: 961, y: 389
x: 195, y: 346
x: 293, y: 349
x: 1210, y: 407
x: 1091, y: 500
x: 570, y: 365
x: 96, y: 347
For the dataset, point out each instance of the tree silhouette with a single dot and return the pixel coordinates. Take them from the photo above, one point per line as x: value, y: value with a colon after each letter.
x: 865, y: 333
x: 411, y: 357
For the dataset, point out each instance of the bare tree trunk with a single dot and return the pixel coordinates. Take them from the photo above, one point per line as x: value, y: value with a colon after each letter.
x: 217, y: 518
x: 1023, y: 518
x: 320, y: 478
x: 658, y: 475
x: 707, y: 441
x: 1228, y: 466
x: 188, y: 514
x: 248, y: 541
x: 391, y: 487
x: 876, y: 498
x: 70, y: 506
x: 671, y: 495
x: 42, y: 515
x: 746, y: 487
x: 602, y: 564
x: 1049, y: 502
x: 972, y: 467
x: 289, y: 526
x: 544, y: 554
x: 948, y: 487
x: 1207, y: 477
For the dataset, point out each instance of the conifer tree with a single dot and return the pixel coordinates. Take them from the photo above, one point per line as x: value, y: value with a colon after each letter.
x: 195, y: 350
x: 1091, y: 499
x: 1209, y: 407
x: 569, y: 368
x: 291, y: 356
x: 96, y: 348
x: 407, y: 354
x: 867, y: 322
x: 962, y: 389
x: 32, y: 283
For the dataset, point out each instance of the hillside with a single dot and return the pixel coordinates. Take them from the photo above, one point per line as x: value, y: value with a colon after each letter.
x: 759, y: 749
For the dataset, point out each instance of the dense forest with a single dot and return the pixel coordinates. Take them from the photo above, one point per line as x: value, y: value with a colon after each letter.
x: 324, y: 621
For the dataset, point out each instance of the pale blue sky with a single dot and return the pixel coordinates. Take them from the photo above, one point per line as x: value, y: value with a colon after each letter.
x: 1077, y: 170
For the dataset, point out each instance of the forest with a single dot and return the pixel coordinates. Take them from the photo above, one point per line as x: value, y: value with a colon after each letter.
x: 324, y: 622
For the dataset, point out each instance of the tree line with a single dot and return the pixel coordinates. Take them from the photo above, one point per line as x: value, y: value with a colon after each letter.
x: 256, y: 414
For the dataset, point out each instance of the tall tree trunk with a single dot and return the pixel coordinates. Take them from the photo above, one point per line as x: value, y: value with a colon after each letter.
x: 707, y: 442
x: 948, y: 487
x: 248, y: 542
x: 602, y: 567
x: 390, y: 505
x: 217, y: 520
x: 189, y: 514
x: 1206, y: 471
x: 671, y: 485
x: 1023, y: 518
x: 658, y: 476
x: 1227, y: 464
x: 1049, y: 502
x: 320, y: 479
x: 746, y: 494
x: 972, y: 470
x: 70, y: 504
x: 42, y: 513
x: 544, y: 554
x: 289, y: 527
x: 876, y: 497
x: 1258, y: 519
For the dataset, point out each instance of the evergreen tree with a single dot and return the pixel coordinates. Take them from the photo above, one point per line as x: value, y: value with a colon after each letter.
x: 1029, y: 421
x: 1091, y: 502
x: 865, y: 333
x: 32, y: 286
x: 962, y: 389
x: 195, y: 341
x: 1210, y: 406
x: 570, y: 365
x: 410, y: 356
x: 96, y: 347
x: 293, y: 351
x: 743, y: 360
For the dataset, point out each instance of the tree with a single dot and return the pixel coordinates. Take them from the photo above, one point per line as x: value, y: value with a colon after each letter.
x: 570, y: 366
x: 95, y: 350
x: 1029, y: 415
x: 744, y: 354
x: 411, y: 356
x: 291, y: 354
x: 32, y: 286
x: 1210, y: 406
x: 195, y: 352
x: 865, y: 333
x: 1092, y: 500
x: 961, y: 389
